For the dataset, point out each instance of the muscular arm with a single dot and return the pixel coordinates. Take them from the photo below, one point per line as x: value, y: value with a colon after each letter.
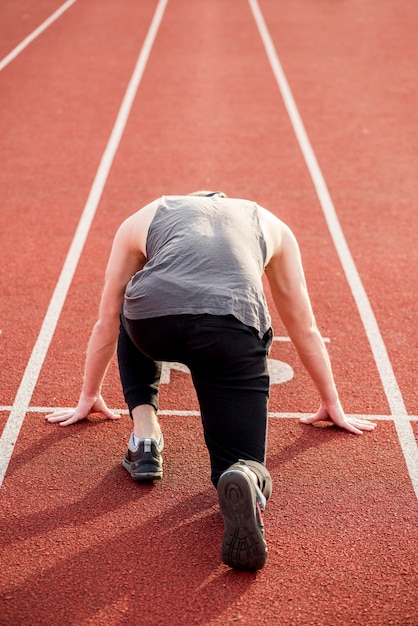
x: 126, y: 258
x: 288, y: 287
x: 286, y: 277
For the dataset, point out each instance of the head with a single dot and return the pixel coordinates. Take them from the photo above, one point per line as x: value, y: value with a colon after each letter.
x: 208, y: 194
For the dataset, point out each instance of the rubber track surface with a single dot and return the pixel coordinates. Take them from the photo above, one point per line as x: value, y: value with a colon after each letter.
x: 81, y: 543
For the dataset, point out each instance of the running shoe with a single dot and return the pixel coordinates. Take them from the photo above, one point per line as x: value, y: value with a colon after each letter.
x: 144, y: 462
x: 242, y: 504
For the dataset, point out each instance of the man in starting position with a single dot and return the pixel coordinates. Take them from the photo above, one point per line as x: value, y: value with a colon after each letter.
x: 184, y: 284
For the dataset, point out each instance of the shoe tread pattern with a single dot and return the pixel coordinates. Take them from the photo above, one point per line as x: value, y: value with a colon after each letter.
x: 243, y: 545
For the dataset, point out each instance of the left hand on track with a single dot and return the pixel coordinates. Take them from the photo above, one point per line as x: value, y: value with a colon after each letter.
x: 85, y: 407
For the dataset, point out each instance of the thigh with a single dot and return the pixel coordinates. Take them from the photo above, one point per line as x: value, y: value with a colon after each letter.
x: 139, y: 374
x: 229, y: 369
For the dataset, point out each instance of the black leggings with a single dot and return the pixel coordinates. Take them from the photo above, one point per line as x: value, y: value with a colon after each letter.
x: 228, y: 364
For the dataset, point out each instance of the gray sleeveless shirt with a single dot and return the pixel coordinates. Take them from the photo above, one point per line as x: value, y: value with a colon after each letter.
x: 204, y: 255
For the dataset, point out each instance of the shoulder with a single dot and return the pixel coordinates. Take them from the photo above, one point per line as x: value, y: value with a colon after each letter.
x: 276, y: 233
x: 145, y: 215
x: 133, y: 231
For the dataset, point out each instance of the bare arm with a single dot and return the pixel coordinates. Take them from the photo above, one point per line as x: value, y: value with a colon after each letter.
x: 124, y: 261
x: 288, y: 286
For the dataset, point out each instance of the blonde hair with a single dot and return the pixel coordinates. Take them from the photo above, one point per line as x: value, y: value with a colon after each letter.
x: 207, y: 194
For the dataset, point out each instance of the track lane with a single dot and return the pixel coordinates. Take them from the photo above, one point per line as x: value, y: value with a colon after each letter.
x: 387, y: 376
x: 51, y: 148
x: 30, y: 377
x: 355, y: 63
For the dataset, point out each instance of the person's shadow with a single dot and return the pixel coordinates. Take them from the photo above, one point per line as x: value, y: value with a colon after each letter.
x: 120, y: 553
x: 164, y: 570
x: 308, y: 437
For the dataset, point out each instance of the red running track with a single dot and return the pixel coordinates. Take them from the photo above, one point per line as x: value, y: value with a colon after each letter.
x: 81, y: 544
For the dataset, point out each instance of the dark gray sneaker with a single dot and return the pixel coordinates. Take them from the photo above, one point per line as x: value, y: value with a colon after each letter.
x: 242, y: 505
x: 144, y: 463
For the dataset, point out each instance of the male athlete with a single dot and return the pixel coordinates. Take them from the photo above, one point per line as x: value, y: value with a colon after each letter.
x: 184, y: 283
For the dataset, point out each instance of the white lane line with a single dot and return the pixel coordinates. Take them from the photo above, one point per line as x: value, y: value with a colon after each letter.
x: 38, y: 31
x: 288, y: 340
x: 33, y: 368
x: 179, y: 412
x: 394, y: 397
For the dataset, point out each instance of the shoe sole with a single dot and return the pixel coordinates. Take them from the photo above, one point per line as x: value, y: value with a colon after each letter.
x: 146, y: 475
x: 243, y: 545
